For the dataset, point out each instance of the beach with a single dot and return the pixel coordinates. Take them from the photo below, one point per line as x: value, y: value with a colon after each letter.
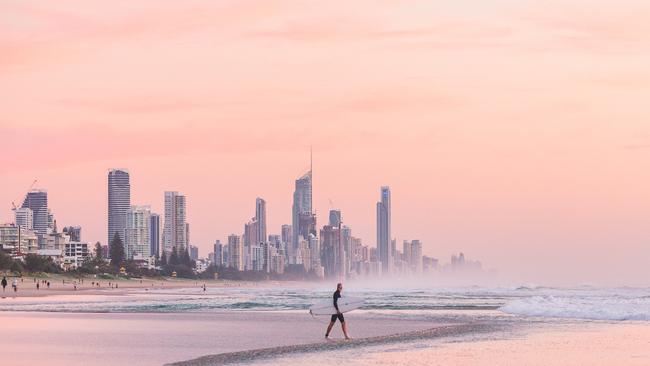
x: 65, y: 285
x: 160, y: 322
x: 156, y: 339
x: 598, y: 344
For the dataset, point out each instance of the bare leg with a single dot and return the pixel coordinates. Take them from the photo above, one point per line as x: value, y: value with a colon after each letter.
x: 329, y: 329
x: 344, y: 326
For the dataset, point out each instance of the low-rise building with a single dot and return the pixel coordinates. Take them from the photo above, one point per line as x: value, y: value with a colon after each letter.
x: 17, y: 241
x: 75, y: 254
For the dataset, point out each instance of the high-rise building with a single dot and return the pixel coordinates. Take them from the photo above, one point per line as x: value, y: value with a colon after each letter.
x: 154, y: 235
x: 416, y: 256
x: 345, y: 250
x: 251, y: 241
x: 406, y: 251
x: 286, y: 234
x: 330, y: 250
x: 235, y: 252
x: 383, y: 231
x: 301, y: 212
x: 260, y: 216
x: 218, y: 254
x: 36, y: 200
x: 194, y: 253
x: 24, y: 218
x: 335, y: 217
x: 74, y: 232
x: 137, y: 242
x: 315, y: 261
x: 119, y: 201
x: 175, y: 227
x: 287, y: 243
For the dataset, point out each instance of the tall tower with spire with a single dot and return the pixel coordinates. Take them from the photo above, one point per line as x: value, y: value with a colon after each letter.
x: 302, y: 216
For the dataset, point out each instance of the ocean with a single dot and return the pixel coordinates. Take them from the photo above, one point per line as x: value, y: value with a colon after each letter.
x: 448, y: 304
x: 479, y: 325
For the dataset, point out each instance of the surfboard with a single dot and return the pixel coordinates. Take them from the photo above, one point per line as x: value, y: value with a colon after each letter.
x: 326, y: 307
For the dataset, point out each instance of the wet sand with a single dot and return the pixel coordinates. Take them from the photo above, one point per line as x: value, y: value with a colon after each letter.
x: 436, y: 332
x: 539, y: 344
x: 156, y: 339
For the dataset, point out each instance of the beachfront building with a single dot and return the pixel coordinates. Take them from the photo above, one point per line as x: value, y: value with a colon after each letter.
x: 137, y: 231
x: 175, y: 228
x: 24, y: 217
x: 218, y: 254
x: 329, y: 253
x: 119, y: 202
x: 303, y: 219
x: 235, y: 252
x: 154, y: 235
x: 17, y: 241
x: 36, y: 201
x: 55, y: 240
x: 75, y: 254
x: 383, y: 230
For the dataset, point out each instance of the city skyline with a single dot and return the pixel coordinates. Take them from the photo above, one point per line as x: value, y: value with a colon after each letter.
x: 532, y: 150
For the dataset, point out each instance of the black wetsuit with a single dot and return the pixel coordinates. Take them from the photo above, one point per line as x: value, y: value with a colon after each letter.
x: 336, y: 297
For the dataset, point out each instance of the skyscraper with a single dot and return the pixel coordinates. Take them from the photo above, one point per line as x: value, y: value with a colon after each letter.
x: 175, y: 228
x: 406, y: 251
x: 235, y: 252
x: 218, y: 254
x: 119, y: 201
x: 260, y: 216
x: 383, y: 231
x: 251, y: 241
x: 137, y: 242
x: 335, y: 217
x: 154, y: 235
x: 416, y: 256
x: 301, y: 212
x: 36, y: 200
x: 194, y: 253
x: 286, y: 234
x: 330, y: 250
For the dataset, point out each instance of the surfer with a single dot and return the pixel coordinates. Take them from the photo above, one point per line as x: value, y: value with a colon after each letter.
x: 338, y: 315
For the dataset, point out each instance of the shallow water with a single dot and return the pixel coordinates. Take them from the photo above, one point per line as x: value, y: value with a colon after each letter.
x: 574, y: 303
x: 155, y: 327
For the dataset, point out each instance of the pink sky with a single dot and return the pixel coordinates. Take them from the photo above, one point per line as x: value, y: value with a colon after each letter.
x: 517, y: 132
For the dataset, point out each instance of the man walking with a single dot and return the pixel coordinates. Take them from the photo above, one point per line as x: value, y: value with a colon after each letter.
x: 338, y: 315
x: 4, y: 283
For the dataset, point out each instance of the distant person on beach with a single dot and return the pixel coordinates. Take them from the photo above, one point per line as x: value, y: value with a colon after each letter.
x: 38, y: 286
x: 14, y: 284
x: 4, y: 283
x: 338, y: 315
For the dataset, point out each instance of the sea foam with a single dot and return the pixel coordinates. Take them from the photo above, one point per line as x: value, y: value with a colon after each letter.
x: 577, y: 307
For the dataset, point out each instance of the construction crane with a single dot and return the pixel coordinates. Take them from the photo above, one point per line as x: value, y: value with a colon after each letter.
x: 13, y: 204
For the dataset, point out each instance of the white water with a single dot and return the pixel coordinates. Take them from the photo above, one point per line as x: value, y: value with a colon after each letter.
x: 587, y: 303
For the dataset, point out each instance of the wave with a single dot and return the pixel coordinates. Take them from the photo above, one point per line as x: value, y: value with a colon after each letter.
x: 591, y: 308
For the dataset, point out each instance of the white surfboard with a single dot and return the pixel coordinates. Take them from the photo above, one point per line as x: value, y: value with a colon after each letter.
x: 326, y: 307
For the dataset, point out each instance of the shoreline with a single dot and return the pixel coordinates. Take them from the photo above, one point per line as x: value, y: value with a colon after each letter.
x: 65, y: 285
x: 438, y: 332
x: 166, y: 338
